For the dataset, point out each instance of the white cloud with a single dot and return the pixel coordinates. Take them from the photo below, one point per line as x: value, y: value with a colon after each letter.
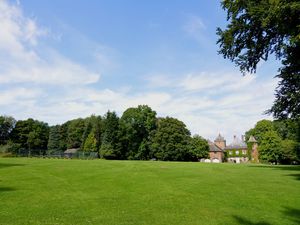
x: 159, y: 80
x: 59, y: 71
x: 210, y: 103
x: 210, y: 82
x: 20, y: 61
x: 17, y: 95
x: 203, y: 81
x: 232, y: 113
x: 54, y: 88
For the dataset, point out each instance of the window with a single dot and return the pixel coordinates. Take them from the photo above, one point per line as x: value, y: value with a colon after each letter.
x: 237, y: 152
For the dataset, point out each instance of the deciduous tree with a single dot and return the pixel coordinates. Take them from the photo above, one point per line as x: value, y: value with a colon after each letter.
x: 90, y: 144
x: 75, y: 133
x: 270, y: 147
x: 198, y: 148
x: 257, y: 29
x: 135, y: 127
x: 7, y: 123
x: 170, y: 140
x: 31, y: 134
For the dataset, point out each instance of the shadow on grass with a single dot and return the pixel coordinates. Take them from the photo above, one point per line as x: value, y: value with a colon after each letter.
x: 6, y: 189
x: 244, y: 221
x: 296, y: 176
x: 281, y: 167
x: 5, y: 165
x: 290, y: 214
x: 295, y: 169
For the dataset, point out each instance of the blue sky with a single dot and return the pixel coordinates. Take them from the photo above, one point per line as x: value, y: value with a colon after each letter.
x: 64, y: 59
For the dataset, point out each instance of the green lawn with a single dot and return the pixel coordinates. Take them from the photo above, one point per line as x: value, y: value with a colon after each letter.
x: 58, y: 191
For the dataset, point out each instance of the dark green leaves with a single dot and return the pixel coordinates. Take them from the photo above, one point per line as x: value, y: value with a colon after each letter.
x: 257, y: 29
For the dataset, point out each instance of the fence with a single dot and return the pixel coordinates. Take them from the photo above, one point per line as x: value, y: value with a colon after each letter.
x: 57, y: 154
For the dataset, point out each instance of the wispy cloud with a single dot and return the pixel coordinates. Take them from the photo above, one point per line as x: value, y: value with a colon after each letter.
x: 39, y: 81
x: 216, y: 102
x: 194, y: 27
x: 18, y: 95
x: 21, y: 61
x: 194, y: 24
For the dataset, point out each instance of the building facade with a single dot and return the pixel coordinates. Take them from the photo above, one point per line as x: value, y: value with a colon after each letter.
x: 235, y: 152
x: 216, y: 154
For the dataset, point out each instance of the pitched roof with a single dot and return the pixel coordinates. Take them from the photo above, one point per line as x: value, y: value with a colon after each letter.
x: 219, y: 138
x: 213, y: 147
x: 236, y: 144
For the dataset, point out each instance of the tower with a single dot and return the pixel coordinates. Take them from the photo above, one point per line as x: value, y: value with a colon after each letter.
x: 254, y: 150
x: 220, y: 141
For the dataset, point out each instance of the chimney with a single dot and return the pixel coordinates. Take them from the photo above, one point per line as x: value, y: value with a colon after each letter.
x: 243, y: 138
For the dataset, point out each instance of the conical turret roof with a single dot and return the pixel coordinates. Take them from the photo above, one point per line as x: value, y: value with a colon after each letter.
x: 252, y: 139
x: 219, y: 138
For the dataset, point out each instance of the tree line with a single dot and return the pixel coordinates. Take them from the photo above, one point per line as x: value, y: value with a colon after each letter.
x: 137, y: 135
x: 140, y: 135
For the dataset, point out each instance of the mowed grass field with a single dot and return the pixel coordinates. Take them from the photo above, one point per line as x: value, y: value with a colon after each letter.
x: 61, y: 191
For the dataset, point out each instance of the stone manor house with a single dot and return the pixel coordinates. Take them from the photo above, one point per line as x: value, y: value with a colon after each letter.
x: 236, y: 152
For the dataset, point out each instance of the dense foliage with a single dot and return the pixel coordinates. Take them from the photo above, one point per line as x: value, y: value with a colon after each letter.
x: 136, y: 124
x: 30, y: 134
x: 110, y: 147
x: 278, y: 141
x: 170, y: 140
x: 54, y: 139
x: 7, y: 124
x: 257, y: 29
x: 137, y: 135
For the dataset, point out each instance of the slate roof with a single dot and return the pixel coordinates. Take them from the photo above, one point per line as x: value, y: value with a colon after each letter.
x: 213, y: 147
x: 219, y: 138
x: 236, y: 144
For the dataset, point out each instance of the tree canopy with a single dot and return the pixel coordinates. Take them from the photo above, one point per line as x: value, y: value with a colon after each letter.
x: 257, y: 29
x: 75, y: 133
x: 136, y: 125
x: 278, y: 141
x: 31, y: 134
x: 198, y: 148
x: 7, y: 123
x: 170, y: 140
